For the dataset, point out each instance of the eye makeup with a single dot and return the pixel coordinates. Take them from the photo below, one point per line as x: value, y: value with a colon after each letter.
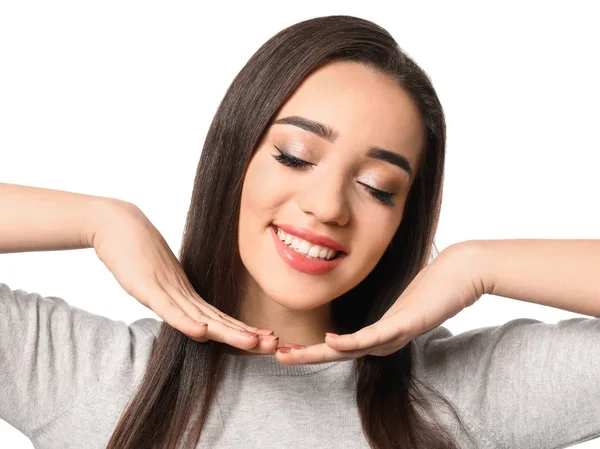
x: 288, y: 160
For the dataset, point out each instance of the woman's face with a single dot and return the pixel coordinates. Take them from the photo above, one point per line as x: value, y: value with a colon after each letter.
x: 334, y: 195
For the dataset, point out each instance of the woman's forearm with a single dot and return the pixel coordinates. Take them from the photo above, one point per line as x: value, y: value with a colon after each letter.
x: 38, y: 219
x: 564, y: 274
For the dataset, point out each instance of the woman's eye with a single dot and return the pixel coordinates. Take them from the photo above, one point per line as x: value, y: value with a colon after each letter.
x: 289, y: 160
x: 294, y: 162
x: 381, y: 195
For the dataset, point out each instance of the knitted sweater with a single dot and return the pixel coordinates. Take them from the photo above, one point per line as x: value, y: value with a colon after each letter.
x: 66, y: 375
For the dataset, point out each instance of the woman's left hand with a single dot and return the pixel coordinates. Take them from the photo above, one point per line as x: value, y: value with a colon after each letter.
x: 439, y: 291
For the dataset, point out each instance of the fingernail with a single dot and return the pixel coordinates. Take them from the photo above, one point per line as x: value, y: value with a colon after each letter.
x: 269, y: 337
x: 295, y: 346
x: 201, y: 324
x: 332, y: 335
x: 250, y: 334
x: 284, y: 350
x: 266, y: 332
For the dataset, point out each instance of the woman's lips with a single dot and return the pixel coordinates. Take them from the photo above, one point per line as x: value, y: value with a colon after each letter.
x: 310, y: 236
x: 302, y: 263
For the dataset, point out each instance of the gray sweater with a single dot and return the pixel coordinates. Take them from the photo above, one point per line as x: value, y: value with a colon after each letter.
x: 66, y: 375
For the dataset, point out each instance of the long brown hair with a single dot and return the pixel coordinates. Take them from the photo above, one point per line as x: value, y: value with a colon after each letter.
x: 171, y: 403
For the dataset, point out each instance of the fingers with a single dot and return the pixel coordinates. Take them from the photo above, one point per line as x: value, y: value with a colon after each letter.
x: 242, y: 339
x: 267, y: 344
x: 314, y: 354
x: 169, y: 311
x: 369, y: 340
x: 181, y: 314
x: 200, y: 310
x: 376, y: 334
x: 190, y: 296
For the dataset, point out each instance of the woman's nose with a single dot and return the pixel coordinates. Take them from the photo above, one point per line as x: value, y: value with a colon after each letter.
x: 325, y: 198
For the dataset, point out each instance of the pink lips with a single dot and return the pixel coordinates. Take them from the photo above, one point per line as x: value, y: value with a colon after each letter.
x: 311, y: 237
x: 302, y: 263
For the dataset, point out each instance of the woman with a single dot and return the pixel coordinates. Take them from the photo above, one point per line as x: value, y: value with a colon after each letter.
x: 325, y: 159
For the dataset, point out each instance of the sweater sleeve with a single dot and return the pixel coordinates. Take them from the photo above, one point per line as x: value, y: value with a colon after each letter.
x: 526, y: 383
x: 52, y: 354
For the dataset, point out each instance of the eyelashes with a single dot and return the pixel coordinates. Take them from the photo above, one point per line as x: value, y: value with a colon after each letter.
x: 299, y: 164
x: 289, y: 160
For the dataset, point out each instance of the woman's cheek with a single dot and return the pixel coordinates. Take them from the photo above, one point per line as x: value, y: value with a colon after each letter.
x: 273, y: 187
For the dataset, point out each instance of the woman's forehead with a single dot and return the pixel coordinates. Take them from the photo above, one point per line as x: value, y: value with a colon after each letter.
x: 356, y: 104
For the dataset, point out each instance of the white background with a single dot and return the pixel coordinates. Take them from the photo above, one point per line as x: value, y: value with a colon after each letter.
x: 115, y: 98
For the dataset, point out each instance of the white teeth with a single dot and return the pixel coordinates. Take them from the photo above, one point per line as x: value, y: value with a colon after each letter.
x: 295, y: 243
x: 314, y: 251
x: 306, y: 248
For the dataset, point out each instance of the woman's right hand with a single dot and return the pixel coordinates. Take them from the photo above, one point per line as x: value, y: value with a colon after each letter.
x: 140, y: 259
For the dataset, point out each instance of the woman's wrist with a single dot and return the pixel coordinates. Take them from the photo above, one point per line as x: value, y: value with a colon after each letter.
x: 103, y: 211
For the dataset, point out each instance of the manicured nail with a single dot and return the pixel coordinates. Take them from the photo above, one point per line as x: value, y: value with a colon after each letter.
x: 332, y: 335
x: 283, y: 350
x: 269, y: 337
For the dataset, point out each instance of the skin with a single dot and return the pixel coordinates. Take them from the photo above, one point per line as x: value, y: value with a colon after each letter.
x: 368, y: 109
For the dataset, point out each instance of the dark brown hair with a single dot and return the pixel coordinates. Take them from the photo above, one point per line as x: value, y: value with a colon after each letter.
x: 171, y: 403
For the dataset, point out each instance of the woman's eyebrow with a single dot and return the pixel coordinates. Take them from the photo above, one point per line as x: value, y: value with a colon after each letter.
x: 330, y: 134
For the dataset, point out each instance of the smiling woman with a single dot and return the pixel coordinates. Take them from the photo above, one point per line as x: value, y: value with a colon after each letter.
x: 313, y: 213
x: 337, y: 170
x: 321, y: 166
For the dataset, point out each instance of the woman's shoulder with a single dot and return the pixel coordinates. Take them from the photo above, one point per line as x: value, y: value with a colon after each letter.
x: 537, y: 376
x: 53, y: 353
